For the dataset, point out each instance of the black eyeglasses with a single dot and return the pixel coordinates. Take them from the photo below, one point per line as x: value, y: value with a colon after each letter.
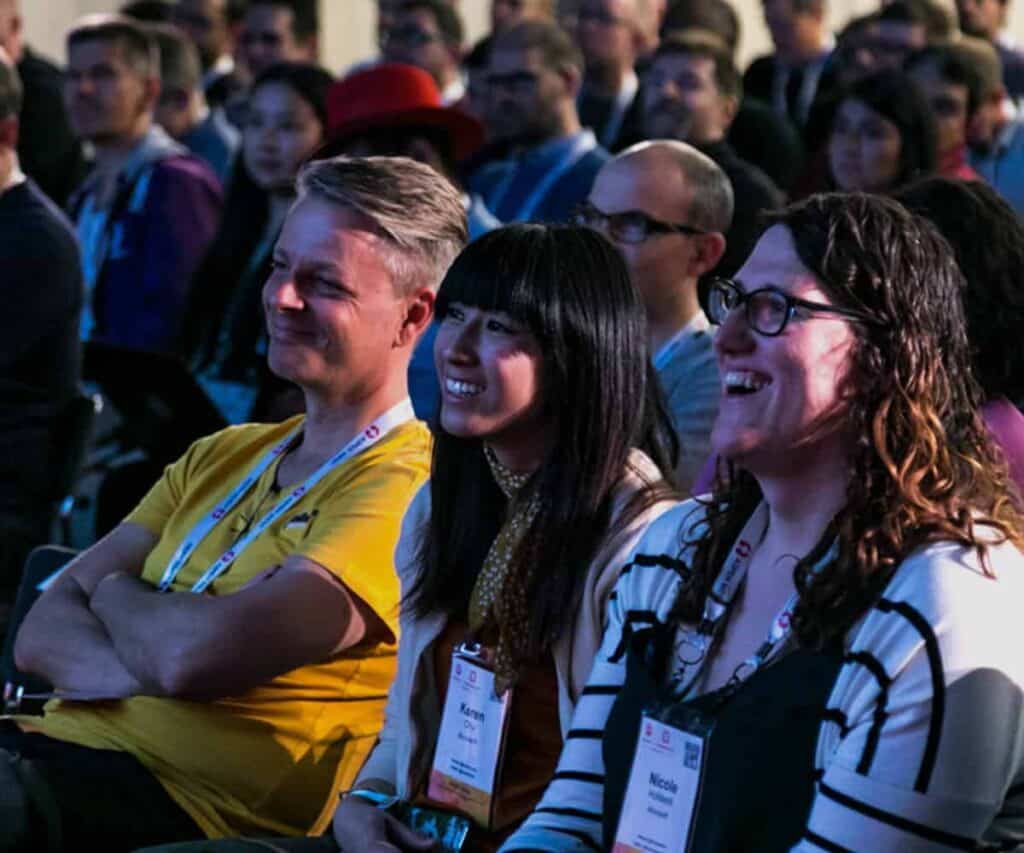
x: 629, y: 226
x: 768, y: 309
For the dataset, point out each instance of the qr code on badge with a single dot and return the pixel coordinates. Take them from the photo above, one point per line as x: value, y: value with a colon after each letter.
x: 691, y: 756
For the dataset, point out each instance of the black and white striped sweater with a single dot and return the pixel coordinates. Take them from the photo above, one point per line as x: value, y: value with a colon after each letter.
x: 922, y: 746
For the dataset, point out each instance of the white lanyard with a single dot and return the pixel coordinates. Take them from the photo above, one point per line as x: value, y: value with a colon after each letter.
x: 581, y: 146
x: 368, y: 437
x: 668, y: 351
x: 623, y: 100
x: 720, y: 599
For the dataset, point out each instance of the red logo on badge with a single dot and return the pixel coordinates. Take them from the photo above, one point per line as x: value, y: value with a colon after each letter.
x: 665, y: 736
x: 743, y: 548
x: 784, y: 619
x: 372, y: 431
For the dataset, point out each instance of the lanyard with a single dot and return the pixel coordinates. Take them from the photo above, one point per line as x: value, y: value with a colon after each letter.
x: 668, y: 351
x: 694, y: 644
x: 623, y: 100
x: 581, y: 146
x: 367, y: 438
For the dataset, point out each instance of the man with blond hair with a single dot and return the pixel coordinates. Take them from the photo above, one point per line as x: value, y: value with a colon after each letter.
x: 224, y: 654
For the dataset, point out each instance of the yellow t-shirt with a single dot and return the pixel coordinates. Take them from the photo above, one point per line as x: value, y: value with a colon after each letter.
x: 267, y: 762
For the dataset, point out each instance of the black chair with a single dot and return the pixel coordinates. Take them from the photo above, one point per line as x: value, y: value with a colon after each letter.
x: 41, y: 563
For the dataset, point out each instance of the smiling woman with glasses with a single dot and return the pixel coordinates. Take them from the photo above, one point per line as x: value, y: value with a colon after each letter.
x: 807, y: 658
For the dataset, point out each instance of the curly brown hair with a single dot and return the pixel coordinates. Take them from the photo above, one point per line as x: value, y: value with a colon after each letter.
x: 922, y: 467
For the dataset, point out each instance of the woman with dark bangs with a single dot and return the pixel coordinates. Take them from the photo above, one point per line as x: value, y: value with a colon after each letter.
x: 825, y: 654
x: 546, y: 470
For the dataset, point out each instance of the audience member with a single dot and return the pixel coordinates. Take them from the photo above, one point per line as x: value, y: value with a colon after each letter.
x: 947, y: 77
x: 395, y: 110
x: 759, y: 134
x: 279, y: 31
x: 148, y: 210
x: 41, y: 285
x: 533, y: 83
x: 227, y: 335
x: 996, y: 134
x: 667, y: 207
x: 986, y: 19
x: 790, y: 78
x: 993, y: 298
x: 854, y: 55
x: 48, y: 150
x: 868, y: 525
x: 883, y: 135
x: 429, y: 35
x: 608, y: 34
x: 244, y: 711
x: 691, y: 94
x: 182, y: 109
x: 207, y: 24
x: 904, y: 27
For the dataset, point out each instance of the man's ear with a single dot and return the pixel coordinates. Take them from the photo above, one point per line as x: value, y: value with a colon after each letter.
x: 572, y: 79
x: 419, y: 311
x: 710, y: 248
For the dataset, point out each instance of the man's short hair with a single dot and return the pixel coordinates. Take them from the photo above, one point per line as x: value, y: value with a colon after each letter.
x: 936, y: 20
x: 305, y: 15
x: 418, y: 212
x: 808, y: 7
x: 956, y: 67
x: 134, y: 40
x: 180, y: 68
x: 712, y: 204
x: 149, y: 11
x: 714, y: 16
x: 557, y: 50
x: 11, y: 91
x: 449, y: 24
x: 708, y: 45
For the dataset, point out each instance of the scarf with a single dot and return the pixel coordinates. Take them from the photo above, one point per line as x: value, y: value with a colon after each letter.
x: 499, y: 595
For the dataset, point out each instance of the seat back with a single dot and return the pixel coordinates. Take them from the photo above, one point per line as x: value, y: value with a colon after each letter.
x: 41, y: 563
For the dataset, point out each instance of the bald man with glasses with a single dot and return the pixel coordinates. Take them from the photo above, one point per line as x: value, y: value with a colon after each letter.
x: 667, y: 207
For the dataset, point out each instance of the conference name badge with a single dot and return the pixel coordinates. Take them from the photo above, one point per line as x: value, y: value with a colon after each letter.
x: 660, y: 806
x: 471, y: 741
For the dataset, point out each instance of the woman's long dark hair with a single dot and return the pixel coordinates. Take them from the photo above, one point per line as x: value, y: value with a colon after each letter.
x: 922, y: 467
x: 570, y: 288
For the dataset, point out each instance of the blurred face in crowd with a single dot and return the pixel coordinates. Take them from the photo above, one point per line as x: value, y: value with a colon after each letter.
x: 490, y: 369
x: 891, y: 42
x: 508, y: 13
x: 864, y: 149
x: 281, y: 132
x: 205, y: 23
x: 782, y: 400
x: 524, y: 97
x: 108, y: 101
x: 949, y: 103
x: 682, y: 100
x: 416, y: 39
x: 645, y: 183
x: 268, y: 36
x: 333, y: 311
x: 981, y: 18
x: 386, y: 12
x: 606, y: 31
x: 854, y: 56
x: 795, y: 32
x: 11, y: 30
